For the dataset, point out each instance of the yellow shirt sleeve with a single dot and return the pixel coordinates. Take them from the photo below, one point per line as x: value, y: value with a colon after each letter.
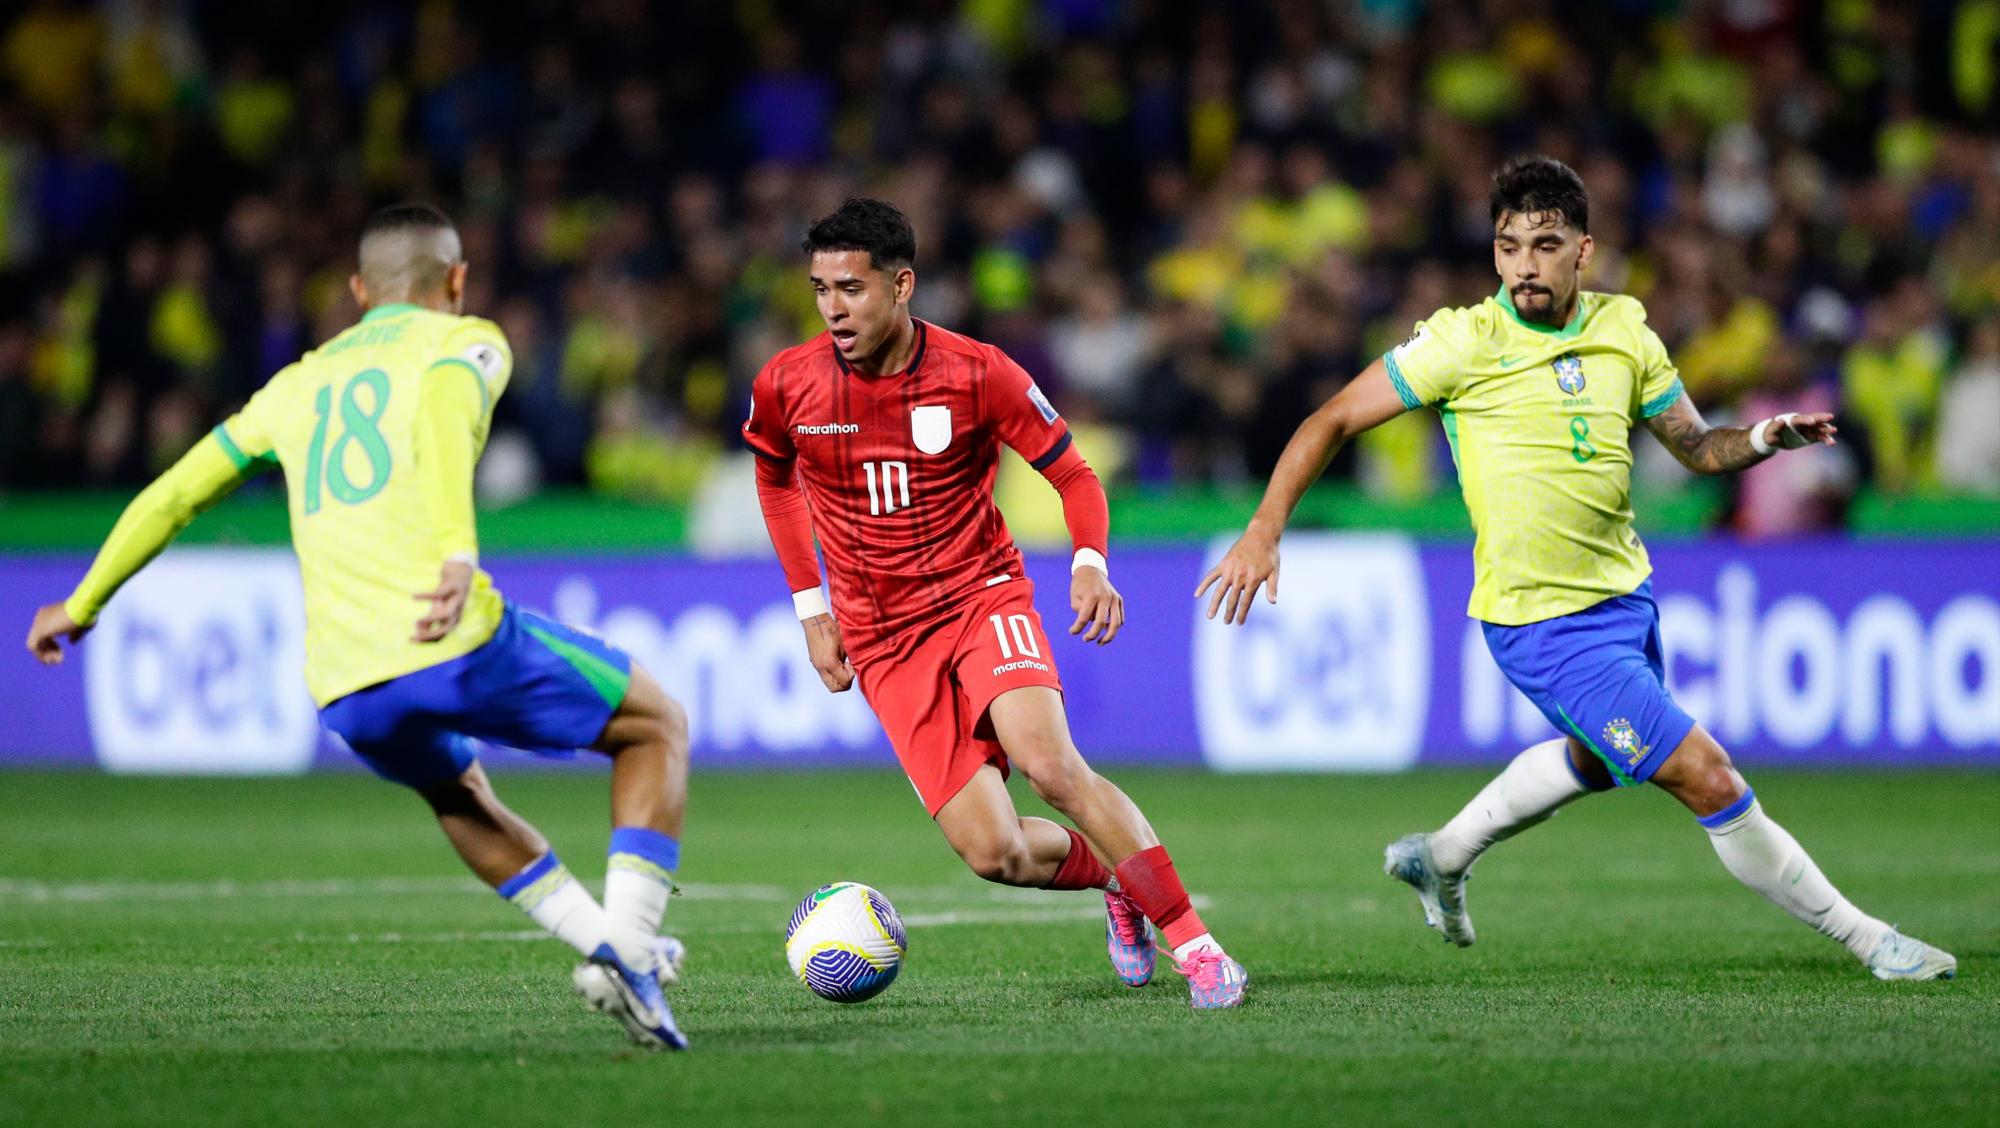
x: 479, y: 347
x: 203, y: 476
x: 459, y: 391
x: 1429, y: 367
x: 1659, y: 381
x: 250, y: 436
x: 451, y: 416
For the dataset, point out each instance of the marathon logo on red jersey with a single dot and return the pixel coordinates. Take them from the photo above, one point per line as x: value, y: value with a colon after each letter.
x: 1022, y: 664
x: 826, y: 428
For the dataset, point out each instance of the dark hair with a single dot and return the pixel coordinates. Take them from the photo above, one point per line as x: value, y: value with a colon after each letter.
x: 862, y: 224
x: 406, y: 217
x: 1530, y: 184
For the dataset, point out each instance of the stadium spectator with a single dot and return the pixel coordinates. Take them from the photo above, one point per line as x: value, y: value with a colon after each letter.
x: 1788, y: 497
x: 1968, y: 437
x: 1891, y: 380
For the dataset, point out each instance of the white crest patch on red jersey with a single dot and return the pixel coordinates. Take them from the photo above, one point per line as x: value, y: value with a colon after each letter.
x: 930, y: 428
x: 1042, y: 404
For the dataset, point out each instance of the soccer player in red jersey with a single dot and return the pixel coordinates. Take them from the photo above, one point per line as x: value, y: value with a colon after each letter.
x: 882, y: 436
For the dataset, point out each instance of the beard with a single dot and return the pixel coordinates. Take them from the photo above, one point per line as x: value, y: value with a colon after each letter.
x: 1537, y: 304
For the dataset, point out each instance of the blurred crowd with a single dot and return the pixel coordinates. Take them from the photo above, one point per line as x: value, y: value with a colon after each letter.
x: 1191, y: 220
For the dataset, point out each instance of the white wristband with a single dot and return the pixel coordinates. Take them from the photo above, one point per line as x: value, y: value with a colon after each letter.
x: 471, y: 558
x: 1088, y: 558
x: 1757, y: 442
x: 810, y: 604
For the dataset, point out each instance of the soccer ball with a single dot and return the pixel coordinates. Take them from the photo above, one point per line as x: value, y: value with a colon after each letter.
x: 846, y: 942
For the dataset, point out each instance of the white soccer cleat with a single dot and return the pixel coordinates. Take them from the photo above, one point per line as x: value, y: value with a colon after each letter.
x: 1408, y: 860
x: 1905, y: 957
x: 669, y: 955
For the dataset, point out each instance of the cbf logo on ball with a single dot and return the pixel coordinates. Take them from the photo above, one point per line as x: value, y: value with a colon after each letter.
x: 1336, y: 675
x: 1569, y: 373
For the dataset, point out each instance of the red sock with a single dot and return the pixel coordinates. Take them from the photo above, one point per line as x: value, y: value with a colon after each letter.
x: 1148, y: 877
x: 1081, y: 870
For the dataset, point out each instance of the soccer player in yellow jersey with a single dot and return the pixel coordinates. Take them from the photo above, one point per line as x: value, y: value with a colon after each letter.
x: 1539, y: 388
x: 377, y: 432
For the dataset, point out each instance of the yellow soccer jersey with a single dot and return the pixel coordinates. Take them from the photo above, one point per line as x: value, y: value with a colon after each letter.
x: 1540, y: 423
x: 367, y: 523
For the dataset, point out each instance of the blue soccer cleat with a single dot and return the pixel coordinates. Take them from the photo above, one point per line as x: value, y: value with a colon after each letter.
x: 1214, y: 980
x: 1130, y: 940
x: 632, y: 997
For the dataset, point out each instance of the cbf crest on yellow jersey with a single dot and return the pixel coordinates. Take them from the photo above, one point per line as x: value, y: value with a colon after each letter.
x: 343, y: 423
x: 1540, y: 422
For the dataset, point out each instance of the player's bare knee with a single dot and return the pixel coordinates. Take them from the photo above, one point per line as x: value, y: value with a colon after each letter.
x: 1004, y: 863
x: 1709, y: 791
x: 1701, y: 775
x: 1717, y: 787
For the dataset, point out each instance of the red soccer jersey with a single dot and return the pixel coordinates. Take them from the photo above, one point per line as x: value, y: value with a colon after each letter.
x: 898, y: 470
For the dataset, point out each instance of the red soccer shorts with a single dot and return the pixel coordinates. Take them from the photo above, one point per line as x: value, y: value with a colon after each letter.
x: 931, y: 685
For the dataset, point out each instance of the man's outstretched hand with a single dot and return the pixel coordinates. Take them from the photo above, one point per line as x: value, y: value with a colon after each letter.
x: 1251, y: 563
x: 51, y: 629
x: 1801, y: 429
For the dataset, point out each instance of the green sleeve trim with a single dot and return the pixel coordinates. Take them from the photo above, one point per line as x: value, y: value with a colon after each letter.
x: 1403, y: 391
x: 485, y: 396
x: 610, y: 682
x: 1619, y: 774
x: 1662, y: 401
x: 245, y: 465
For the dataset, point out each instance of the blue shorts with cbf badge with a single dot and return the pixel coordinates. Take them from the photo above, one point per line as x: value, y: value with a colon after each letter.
x: 536, y: 685
x: 1598, y: 676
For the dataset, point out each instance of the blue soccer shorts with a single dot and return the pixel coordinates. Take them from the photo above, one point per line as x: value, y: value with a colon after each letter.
x: 536, y: 685
x: 1599, y: 676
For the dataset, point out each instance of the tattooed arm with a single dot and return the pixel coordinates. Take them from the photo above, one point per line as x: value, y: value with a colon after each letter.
x: 1722, y: 450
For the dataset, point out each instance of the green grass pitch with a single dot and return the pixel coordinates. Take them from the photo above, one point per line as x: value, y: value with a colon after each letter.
x: 307, y: 951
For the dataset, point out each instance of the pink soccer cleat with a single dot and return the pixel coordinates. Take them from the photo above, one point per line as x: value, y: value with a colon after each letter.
x: 1129, y: 939
x: 1214, y: 980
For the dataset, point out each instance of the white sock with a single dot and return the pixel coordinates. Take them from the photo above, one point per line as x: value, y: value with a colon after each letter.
x: 1205, y: 940
x: 638, y: 879
x: 633, y: 907
x: 1764, y: 856
x: 1526, y: 792
x: 553, y: 898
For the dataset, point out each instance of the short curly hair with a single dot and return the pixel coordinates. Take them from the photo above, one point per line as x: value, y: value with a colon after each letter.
x: 863, y: 224
x: 1530, y: 184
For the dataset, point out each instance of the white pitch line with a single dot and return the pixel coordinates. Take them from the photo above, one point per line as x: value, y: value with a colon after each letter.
x: 522, y: 936
x: 29, y: 891
x: 1071, y: 915
x: 913, y: 920
x: 992, y: 916
x: 90, y: 892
